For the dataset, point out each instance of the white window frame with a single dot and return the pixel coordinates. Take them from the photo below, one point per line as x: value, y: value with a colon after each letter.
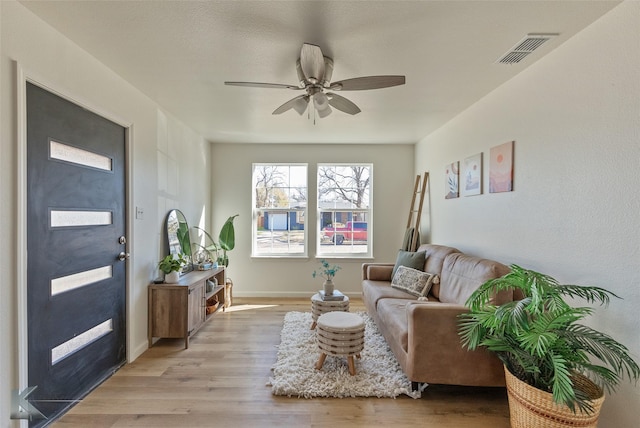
x: 321, y: 247
x: 301, y: 212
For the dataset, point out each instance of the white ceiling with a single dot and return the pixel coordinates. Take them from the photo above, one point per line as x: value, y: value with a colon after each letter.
x: 179, y: 54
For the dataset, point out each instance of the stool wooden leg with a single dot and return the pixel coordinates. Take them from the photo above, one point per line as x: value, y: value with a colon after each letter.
x: 320, y: 362
x: 313, y: 326
x: 352, y: 365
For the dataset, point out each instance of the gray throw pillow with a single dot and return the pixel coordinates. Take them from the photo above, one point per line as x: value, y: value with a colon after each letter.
x: 409, y: 259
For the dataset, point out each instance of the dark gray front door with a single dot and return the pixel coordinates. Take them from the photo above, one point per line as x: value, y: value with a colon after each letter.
x: 75, y: 232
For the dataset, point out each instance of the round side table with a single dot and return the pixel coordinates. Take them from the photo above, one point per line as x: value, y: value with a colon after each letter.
x: 319, y: 307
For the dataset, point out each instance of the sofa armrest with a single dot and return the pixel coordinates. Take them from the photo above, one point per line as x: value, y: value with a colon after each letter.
x: 433, y: 335
x: 437, y: 321
x: 377, y: 271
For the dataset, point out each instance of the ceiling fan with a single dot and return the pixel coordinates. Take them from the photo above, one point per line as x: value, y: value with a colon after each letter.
x: 314, y: 75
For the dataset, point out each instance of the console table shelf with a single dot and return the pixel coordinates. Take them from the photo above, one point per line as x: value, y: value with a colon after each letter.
x: 179, y: 310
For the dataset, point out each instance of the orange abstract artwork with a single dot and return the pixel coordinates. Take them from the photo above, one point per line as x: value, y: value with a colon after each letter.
x: 501, y: 168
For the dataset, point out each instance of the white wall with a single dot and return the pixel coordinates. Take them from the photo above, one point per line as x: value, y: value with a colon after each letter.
x: 232, y: 190
x: 157, y: 139
x: 575, y: 210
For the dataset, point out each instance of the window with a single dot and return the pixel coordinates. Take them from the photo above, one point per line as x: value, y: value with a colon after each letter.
x: 344, y: 210
x: 279, y: 210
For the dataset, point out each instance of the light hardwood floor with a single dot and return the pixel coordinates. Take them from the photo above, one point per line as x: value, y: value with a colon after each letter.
x: 221, y: 381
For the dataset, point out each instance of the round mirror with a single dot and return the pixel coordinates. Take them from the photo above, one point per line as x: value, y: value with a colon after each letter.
x: 178, y: 237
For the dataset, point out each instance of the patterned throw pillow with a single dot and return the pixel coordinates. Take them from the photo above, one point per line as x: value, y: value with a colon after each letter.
x: 413, y: 281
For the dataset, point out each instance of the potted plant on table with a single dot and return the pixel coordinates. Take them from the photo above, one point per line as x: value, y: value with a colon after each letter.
x: 555, y: 368
x: 171, y: 266
x: 327, y: 272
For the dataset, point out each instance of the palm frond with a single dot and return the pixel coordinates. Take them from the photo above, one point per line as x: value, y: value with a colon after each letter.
x: 590, y: 294
x: 563, y: 391
x: 605, y: 348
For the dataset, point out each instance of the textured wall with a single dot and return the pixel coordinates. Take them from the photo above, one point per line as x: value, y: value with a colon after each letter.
x: 575, y: 211
x: 50, y: 59
x: 392, y: 188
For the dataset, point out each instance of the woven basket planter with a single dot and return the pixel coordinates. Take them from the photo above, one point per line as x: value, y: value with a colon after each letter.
x: 531, y: 407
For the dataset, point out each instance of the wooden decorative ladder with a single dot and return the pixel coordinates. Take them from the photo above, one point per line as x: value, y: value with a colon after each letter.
x: 412, y: 236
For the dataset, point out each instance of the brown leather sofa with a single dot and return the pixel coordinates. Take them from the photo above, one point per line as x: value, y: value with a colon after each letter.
x: 423, y: 334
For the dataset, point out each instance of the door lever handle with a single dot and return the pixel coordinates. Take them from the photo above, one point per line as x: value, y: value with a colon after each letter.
x: 123, y: 256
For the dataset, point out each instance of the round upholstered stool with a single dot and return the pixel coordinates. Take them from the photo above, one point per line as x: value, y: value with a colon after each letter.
x: 319, y: 307
x: 340, y: 334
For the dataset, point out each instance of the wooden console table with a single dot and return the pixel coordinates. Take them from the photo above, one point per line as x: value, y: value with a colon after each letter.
x: 179, y: 310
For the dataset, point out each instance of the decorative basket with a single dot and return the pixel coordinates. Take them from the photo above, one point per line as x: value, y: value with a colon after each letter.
x: 212, y: 305
x: 532, y: 407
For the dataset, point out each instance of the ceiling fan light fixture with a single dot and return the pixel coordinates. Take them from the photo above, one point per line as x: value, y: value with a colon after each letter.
x: 301, y: 105
x: 321, y: 102
x: 325, y: 112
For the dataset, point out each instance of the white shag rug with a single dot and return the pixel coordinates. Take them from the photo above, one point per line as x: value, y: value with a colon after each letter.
x: 378, y: 374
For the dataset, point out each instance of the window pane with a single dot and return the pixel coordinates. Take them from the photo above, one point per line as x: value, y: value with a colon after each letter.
x: 344, y: 210
x: 280, y: 204
x: 280, y: 233
x: 344, y: 232
x: 79, y: 341
x: 78, y: 156
x: 343, y: 186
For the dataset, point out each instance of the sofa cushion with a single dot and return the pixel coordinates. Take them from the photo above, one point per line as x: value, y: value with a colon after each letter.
x: 413, y: 281
x: 434, y: 259
x: 414, y: 260
x: 373, y: 291
x: 393, y: 314
x: 462, y: 275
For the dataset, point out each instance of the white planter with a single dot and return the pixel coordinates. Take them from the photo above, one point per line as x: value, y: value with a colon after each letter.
x: 172, y: 277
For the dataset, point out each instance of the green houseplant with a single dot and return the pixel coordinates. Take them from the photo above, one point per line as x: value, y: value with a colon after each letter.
x: 226, y: 242
x: 327, y: 272
x: 171, y: 265
x: 540, y: 341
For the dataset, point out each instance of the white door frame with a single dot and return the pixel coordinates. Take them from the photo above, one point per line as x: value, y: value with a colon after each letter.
x: 22, y: 77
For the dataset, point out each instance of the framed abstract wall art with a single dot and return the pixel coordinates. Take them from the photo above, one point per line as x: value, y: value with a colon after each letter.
x: 471, y: 178
x: 501, y: 168
x: 451, y: 177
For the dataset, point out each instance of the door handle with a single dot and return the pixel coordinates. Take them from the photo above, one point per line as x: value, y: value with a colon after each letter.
x: 123, y: 256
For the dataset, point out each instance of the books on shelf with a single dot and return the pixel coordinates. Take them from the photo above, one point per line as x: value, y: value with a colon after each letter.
x: 336, y: 296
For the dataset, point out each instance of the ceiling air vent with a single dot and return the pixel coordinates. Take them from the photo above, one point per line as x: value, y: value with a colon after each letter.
x: 524, y: 47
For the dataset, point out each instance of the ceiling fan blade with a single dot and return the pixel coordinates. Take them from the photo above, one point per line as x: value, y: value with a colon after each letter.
x: 342, y: 104
x: 369, y: 82
x: 298, y: 103
x: 312, y: 62
x: 263, y: 85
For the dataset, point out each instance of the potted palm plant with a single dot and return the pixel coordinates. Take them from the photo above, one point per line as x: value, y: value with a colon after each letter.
x: 556, y: 368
